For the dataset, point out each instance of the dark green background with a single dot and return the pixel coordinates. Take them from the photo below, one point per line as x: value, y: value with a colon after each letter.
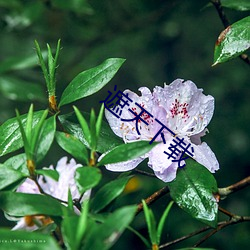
x: 162, y: 41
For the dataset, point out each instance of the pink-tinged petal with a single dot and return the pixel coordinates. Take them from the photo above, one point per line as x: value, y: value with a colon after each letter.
x: 163, y: 167
x: 189, y: 110
x: 125, y: 166
x: 205, y: 156
x: 29, y: 187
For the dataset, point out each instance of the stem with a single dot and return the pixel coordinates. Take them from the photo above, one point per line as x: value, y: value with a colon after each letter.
x: 152, y: 198
x: 235, y: 220
x: 144, y: 173
x: 223, y: 192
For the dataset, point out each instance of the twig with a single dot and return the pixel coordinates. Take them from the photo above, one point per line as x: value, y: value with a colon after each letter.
x: 224, y: 211
x: 226, y: 23
x: 235, y: 220
x: 152, y: 198
x: 144, y: 173
x: 223, y: 192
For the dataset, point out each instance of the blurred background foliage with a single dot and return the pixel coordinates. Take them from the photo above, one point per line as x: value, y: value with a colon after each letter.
x: 161, y: 41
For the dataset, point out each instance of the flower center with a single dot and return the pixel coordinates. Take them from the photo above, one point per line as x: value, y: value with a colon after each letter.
x: 180, y: 110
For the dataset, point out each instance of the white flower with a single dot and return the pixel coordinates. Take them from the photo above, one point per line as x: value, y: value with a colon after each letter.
x: 58, y: 189
x: 183, y: 109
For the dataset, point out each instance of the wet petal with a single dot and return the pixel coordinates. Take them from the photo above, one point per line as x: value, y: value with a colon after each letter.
x: 163, y: 167
x: 126, y: 165
x: 189, y: 110
x: 205, y: 156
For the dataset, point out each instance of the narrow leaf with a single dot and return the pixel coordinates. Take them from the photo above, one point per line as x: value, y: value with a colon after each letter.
x: 90, y: 81
x: 241, y: 5
x: 99, y: 122
x: 84, y: 125
x: 162, y: 221
x: 10, y: 136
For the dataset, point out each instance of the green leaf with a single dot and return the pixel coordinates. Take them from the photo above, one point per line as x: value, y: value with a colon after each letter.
x: 90, y: 81
x: 10, y: 136
x: 46, y: 137
x: 195, y: 248
x: 92, y: 127
x: 20, y: 204
x: 53, y: 174
x: 126, y: 152
x: 241, y: 5
x: 143, y: 239
x: 18, y: 162
x: 107, y: 139
x: 69, y: 230
x: 8, y: 176
x: 151, y: 223
x: 19, y: 63
x: 193, y: 191
x: 162, y: 221
x: 108, y: 193
x: 16, y: 240
x: 233, y: 41
x: 73, y: 146
x: 105, y: 235
x: 19, y: 90
x: 99, y: 122
x: 87, y: 177
x: 74, y: 228
x: 84, y: 125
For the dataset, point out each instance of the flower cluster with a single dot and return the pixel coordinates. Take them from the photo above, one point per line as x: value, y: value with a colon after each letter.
x: 184, y: 109
x: 58, y: 189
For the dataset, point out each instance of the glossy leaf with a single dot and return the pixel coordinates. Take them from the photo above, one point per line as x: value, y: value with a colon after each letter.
x: 8, y: 176
x: 73, y: 146
x: 16, y: 240
x: 105, y: 235
x: 108, y: 193
x: 90, y: 81
x: 53, y: 174
x: 241, y: 5
x: 10, y: 136
x: 233, y: 41
x: 19, y: 90
x: 107, y: 138
x: 126, y: 152
x: 87, y: 177
x: 18, y: 162
x: 193, y: 191
x: 20, y: 204
x: 46, y: 137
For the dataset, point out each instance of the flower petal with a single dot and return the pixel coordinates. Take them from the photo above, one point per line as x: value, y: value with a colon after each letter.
x: 189, y: 110
x: 125, y: 165
x: 205, y: 156
x: 29, y: 187
x: 163, y: 167
x: 21, y: 225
